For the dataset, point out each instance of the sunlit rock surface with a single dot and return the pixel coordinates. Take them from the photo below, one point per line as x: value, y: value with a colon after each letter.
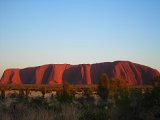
x: 134, y: 74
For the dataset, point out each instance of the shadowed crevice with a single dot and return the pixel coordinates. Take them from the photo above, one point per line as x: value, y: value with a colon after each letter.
x: 46, y: 75
x: 96, y: 71
x: 73, y: 75
x: 10, y: 78
x: 27, y: 75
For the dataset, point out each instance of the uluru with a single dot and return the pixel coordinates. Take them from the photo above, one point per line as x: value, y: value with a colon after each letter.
x: 132, y: 73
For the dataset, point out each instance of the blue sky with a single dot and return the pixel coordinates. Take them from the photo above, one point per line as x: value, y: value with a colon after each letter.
x: 37, y: 32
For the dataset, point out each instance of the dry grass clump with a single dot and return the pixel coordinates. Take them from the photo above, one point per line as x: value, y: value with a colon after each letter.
x: 22, y: 112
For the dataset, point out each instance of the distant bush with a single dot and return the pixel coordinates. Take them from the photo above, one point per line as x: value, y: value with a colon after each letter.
x: 43, y: 91
x: 21, y: 94
x: 27, y: 91
x: 88, y: 91
x: 65, y: 95
x: 66, y: 88
x: 118, y: 84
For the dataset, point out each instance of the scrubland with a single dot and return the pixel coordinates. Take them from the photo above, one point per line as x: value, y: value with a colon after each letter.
x: 113, y: 100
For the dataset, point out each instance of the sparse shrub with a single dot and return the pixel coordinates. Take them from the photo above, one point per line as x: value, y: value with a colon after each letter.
x: 27, y: 91
x: 21, y: 94
x: 122, y: 108
x: 73, y: 93
x: 152, y: 99
x: 66, y: 88
x: 88, y: 92
x: 64, y: 98
x: 92, y: 112
x: 13, y: 95
x: 132, y: 105
x: 3, y: 95
x: 87, y: 97
x: 149, y: 105
x: 39, y: 102
x: 104, y: 84
x: 156, y: 81
x: 43, y: 91
x: 60, y: 91
x: 118, y: 84
x: 118, y: 89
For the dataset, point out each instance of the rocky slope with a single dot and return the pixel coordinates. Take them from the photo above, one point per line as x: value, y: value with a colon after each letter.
x: 134, y: 74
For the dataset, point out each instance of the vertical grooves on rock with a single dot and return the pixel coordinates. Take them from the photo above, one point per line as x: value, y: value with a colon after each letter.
x: 136, y: 74
x: 11, y: 76
x: 46, y: 75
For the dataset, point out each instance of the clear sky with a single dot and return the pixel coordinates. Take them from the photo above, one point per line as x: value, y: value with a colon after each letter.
x: 36, y: 32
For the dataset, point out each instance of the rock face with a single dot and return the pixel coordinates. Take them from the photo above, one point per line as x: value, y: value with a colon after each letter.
x: 134, y: 74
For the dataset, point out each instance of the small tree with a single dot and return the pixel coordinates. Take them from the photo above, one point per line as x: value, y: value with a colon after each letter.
x: 104, y: 85
x: 73, y: 92
x: 118, y: 84
x: 156, y: 81
x: 66, y: 88
x: 27, y: 92
x: 65, y: 96
x: 3, y: 95
x: 88, y: 91
x: 43, y: 91
x: 21, y: 93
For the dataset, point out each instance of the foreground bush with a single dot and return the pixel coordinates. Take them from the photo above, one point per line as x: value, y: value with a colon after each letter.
x: 19, y: 111
x: 39, y: 102
x: 104, y: 85
x: 91, y: 112
x: 123, y: 105
x: 64, y: 97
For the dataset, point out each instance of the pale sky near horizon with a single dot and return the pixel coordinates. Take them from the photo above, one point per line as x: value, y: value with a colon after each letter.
x: 37, y: 32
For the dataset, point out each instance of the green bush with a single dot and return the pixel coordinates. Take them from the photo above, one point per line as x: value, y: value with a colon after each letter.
x: 103, y: 92
x: 3, y: 95
x: 104, y: 85
x: 64, y: 97
x: 90, y: 112
x: 13, y: 95
x: 39, y: 102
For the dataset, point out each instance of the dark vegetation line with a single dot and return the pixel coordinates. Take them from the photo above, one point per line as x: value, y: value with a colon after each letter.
x: 60, y: 86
